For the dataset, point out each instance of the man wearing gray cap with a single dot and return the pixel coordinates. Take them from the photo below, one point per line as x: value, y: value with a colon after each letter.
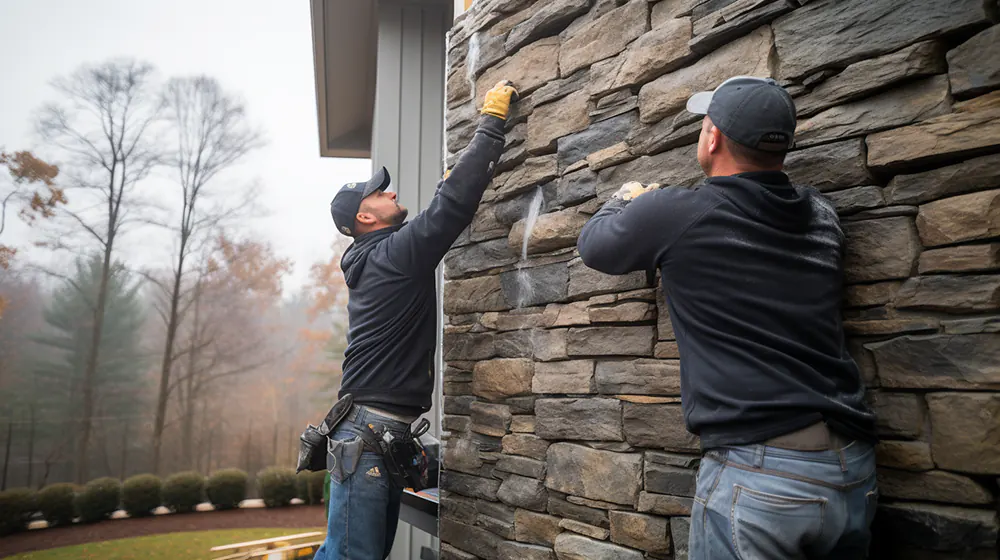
x: 752, y: 267
x: 388, y: 368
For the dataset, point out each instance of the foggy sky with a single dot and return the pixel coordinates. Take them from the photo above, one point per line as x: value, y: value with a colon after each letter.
x: 259, y: 49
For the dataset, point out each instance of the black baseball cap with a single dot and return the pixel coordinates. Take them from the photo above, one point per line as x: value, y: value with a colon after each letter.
x: 344, y: 207
x: 755, y: 112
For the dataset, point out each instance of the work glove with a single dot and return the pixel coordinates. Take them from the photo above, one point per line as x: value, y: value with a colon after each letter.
x: 498, y: 99
x: 632, y: 190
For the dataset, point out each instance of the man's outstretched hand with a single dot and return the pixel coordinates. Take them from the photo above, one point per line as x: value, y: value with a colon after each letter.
x: 498, y: 99
x: 633, y: 189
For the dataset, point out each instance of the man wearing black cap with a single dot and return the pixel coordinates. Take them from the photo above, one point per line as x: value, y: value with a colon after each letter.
x: 751, y: 266
x: 388, y: 368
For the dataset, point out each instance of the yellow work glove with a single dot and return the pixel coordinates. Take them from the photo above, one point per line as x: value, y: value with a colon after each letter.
x: 633, y: 189
x: 498, y: 99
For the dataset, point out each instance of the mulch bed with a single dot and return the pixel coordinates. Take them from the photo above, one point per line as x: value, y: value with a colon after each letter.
x: 297, y: 517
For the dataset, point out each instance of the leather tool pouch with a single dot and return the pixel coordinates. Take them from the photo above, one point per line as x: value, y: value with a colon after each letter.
x: 313, y: 447
x: 405, y: 458
x: 342, y: 457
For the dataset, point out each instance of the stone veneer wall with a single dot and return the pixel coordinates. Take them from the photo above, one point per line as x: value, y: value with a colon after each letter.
x: 564, y: 429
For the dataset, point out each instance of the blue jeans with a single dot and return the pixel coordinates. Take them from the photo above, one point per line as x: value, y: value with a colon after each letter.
x: 364, y: 503
x: 760, y: 502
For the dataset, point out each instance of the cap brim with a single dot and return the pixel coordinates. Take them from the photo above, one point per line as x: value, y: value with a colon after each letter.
x: 699, y: 102
x: 379, y: 182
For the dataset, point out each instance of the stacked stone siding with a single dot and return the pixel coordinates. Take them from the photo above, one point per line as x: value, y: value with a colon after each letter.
x: 565, y: 437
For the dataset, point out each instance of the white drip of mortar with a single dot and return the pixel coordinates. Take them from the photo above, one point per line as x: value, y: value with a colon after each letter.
x: 525, y: 290
x: 470, y: 61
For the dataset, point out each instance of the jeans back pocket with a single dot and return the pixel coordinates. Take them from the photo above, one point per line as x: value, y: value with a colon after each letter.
x: 768, y: 525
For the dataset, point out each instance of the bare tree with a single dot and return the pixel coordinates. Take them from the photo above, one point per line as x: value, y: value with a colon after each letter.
x: 212, y: 135
x: 103, y: 134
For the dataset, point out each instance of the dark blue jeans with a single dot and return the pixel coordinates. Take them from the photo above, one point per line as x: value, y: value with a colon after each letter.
x: 761, y: 502
x: 364, y: 503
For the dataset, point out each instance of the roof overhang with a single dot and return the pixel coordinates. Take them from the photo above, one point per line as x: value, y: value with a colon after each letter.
x: 345, y: 45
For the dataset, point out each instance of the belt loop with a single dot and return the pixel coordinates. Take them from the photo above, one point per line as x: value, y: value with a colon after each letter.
x: 843, y: 460
x: 758, y: 460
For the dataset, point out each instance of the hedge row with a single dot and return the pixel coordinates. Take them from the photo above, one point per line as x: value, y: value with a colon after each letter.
x: 61, y: 503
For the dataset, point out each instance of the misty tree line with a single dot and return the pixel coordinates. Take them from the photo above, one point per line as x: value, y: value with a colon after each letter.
x: 109, y: 369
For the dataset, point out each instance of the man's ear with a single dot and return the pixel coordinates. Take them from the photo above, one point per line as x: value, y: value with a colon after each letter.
x: 365, y: 218
x: 714, y: 139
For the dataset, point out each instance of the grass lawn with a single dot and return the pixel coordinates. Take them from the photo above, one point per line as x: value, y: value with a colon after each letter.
x: 193, y: 545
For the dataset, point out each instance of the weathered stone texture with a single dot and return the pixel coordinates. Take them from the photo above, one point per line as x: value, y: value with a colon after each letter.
x: 556, y: 230
x: 979, y: 173
x: 858, y: 79
x: 664, y: 505
x: 897, y: 107
x: 938, y: 528
x: 880, y: 249
x: 658, y: 426
x: 611, y: 341
x: 496, y: 379
x: 899, y: 414
x: 965, y: 431
x: 639, y: 377
x: 645, y: 532
x: 535, y: 528
x: 905, y: 455
x: 579, y: 419
x: 831, y: 166
x: 973, y: 127
x: 668, y: 94
x: 604, y: 37
x: 961, y: 218
x: 591, y: 473
x: 826, y: 33
x: 557, y: 119
x: 528, y: 445
x: 490, y: 419
x: 953, y: 294
x: 933, y: 486
x: 571, y: 377
x: 576, y: 547
x: 974, y: 66
x: 585, y: 529
x: 530, y: 68
x: 965, y: 258
x: 550, y: 18
x: 520, y: 551
x: 523, y: 492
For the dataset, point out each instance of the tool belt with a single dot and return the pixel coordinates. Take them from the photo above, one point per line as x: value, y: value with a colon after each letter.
x: 817, y: 437
x: 313, y: 441
x: 404, y: 456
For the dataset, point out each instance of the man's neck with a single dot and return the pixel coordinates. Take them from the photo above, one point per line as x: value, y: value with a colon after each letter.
x: 728, y: 169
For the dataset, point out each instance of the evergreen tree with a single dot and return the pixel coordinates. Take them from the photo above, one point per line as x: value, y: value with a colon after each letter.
x: 59, y: 370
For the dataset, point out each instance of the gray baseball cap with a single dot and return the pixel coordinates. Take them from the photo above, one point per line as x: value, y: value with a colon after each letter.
x: 755, y: 112
x: 346, y: 204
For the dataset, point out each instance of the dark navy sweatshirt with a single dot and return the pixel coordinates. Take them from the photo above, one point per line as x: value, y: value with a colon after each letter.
x: 752, y: 270
x: 390, y: 274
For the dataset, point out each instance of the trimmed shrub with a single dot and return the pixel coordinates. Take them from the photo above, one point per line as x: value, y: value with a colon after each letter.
x: 183, y: 491
x: 99, y: 499
x: 316, y: 480
x: 55, y: 501
x: 277, y: 486
x: 141, y: 494
x: 17, y: 505
x: 227, y: 488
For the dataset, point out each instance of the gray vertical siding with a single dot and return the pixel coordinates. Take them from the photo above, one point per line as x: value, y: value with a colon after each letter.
x: 408, y: 139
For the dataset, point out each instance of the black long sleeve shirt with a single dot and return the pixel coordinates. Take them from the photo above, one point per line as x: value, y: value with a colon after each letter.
x: 752, y: 270
x: 392, y: 308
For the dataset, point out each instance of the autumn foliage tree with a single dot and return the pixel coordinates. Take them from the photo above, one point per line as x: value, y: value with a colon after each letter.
x: 211, y: 134
x: 32, y: 189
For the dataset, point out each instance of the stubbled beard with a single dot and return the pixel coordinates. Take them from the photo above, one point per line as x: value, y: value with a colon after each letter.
x: 400, y: 216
